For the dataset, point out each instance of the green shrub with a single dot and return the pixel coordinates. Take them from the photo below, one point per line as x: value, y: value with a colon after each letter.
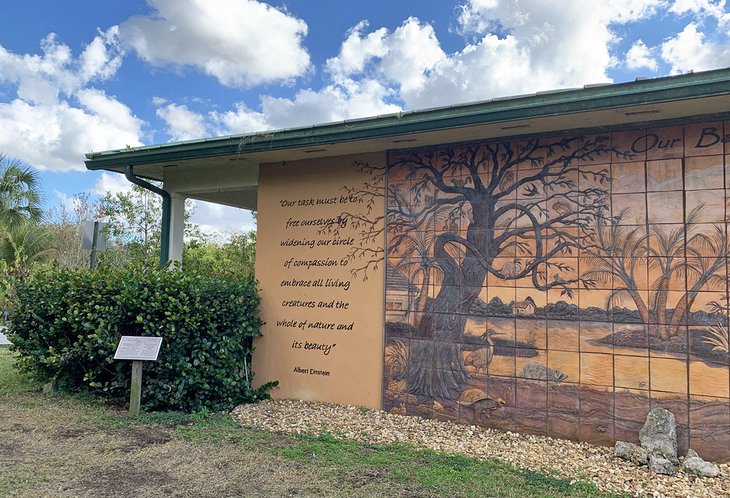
x: 66, y: 326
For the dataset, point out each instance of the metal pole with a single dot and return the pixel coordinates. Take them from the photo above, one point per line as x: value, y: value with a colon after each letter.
x: 94, y: 242
x: 166, y: 207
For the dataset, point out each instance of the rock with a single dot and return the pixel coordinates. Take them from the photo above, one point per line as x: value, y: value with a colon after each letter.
x: 659, y: 435
x: 631, y: 452
x: 660, y: 465
x: 693, y: 463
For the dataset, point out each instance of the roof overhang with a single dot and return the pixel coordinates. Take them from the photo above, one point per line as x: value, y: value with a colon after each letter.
x: 690, y: 96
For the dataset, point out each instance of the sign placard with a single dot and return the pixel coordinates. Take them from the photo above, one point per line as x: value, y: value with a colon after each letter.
x: 87, y: 237
x: 138, y: 348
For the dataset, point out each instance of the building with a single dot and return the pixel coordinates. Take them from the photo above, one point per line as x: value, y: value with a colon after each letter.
x: 612, y: 198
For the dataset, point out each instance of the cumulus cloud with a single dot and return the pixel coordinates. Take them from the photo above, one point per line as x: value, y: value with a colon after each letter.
x: 332, y: 103
x: 182, y: 123
x: 113, y: 183
x: 691, y: 50
x: 55, y: 116
x: 640, y: 56
x: 221, y: 221
x: 56, y: 136
x: 403, y: 57
x: 239, y: 42
x: 510, y: 48
x: 528, y: 46
x: 41, y: 78
x: 702, y: 8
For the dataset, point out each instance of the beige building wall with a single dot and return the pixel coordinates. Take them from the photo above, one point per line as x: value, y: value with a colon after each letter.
x: 320, y: 270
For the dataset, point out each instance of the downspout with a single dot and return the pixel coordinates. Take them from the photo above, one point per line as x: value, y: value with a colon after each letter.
x: 166, y: 208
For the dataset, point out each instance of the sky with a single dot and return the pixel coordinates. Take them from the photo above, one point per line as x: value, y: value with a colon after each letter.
x: 93, y: 75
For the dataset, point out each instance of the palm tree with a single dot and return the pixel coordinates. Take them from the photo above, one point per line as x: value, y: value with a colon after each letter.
x: 19, y: 193
x: 23, y: 245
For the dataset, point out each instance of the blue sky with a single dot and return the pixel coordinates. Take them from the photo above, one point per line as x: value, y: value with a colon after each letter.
x: 102, y: 74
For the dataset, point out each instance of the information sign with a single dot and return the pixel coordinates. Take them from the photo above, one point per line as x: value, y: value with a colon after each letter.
x: 138, y: 348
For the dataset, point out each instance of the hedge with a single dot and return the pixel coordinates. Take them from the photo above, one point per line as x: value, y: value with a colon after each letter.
x: 66, y: 326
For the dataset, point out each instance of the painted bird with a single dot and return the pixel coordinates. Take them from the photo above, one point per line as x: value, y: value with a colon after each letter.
x: 511, y: 269
x: 482, y: 357
x: 561, y: 207
x: 506, y: 181
x: 530, y: 190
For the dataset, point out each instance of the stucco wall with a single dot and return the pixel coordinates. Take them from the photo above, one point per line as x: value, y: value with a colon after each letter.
x: 319, y: 262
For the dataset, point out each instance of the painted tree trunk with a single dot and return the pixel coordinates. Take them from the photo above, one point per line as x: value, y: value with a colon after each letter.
x: 422, y: 300
x: 435, y: 367
x: 660, y: 328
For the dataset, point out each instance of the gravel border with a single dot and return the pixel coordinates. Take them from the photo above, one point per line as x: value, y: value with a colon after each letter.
x: 568, y: 459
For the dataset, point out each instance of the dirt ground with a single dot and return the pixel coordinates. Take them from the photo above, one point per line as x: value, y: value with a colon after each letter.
x: 62, y: 446
x: 59, y: 447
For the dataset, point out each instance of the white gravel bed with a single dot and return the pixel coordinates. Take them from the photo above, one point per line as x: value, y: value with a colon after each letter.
x: 568, y: 459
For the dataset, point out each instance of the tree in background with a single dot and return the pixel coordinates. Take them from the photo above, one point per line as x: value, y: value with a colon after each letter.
x: 134, y: 219
x: 24, y: 245
x: 236, y: 256
x: 66, y: 224
x: 20, y: 198
x: 22, y: 240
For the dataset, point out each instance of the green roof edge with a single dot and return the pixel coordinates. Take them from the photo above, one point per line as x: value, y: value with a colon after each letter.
x: 589, y: 98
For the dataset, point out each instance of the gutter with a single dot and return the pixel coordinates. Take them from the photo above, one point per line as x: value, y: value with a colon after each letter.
x: 540, y: 105
x: 166, y: 210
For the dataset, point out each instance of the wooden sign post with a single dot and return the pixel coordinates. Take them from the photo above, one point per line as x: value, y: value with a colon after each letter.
x: 137, y: 349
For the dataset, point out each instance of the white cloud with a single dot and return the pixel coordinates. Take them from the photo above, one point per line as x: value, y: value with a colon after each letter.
x: 640, y: 56
x: 56, y: 136
x: 239, y: 42
x: 241, y: 119
x: 42, y: 78
x: 516, y: 47
x: 112, y: 183
x: 218, y: 220
x: 182, y: 123
x: 403, y: 57
x: 701, y: 8
x: 349, y: 100
x: 691, y: 50
x: 56, y: 116
x: 528, y: 46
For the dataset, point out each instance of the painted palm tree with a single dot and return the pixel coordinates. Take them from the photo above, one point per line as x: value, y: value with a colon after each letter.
x: 413, y: 242
x: 615, y: 258
x: 418, y: 263
x: 19, y: 193
x: 677, y: 253
x: 706, y: 258
x: 667, y: 251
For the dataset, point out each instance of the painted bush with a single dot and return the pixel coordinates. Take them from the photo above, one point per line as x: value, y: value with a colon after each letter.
x: 563, y: 285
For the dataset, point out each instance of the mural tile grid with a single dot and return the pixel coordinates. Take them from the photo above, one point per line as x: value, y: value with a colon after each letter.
x: 563, y: 285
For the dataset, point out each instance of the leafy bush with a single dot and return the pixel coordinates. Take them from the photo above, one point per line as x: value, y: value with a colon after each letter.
x: 66, y: 326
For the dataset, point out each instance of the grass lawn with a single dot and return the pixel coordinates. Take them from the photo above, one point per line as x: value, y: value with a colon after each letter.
x: 63, y: 445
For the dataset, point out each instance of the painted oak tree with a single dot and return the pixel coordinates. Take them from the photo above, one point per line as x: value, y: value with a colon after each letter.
x: 504, y: 210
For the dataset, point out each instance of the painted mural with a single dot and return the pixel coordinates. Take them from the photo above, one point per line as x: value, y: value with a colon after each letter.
x: 563, y: 285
